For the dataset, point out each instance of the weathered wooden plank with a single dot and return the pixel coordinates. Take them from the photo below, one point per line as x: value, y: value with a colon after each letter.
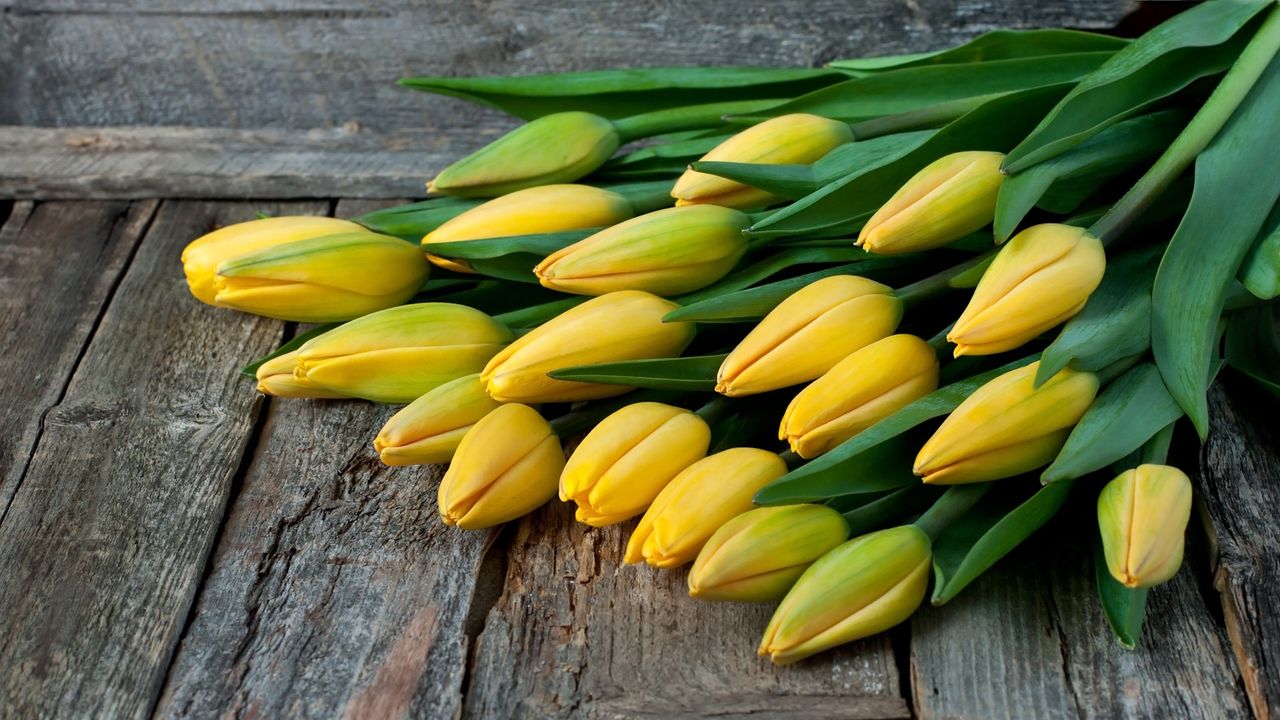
x: 324, y: 63
x: 334, y: 589
x: 1239, y: 494
x: 111, y: 524
x: 58, y: 265
x: 576, y: 634
x: 1029, y: 639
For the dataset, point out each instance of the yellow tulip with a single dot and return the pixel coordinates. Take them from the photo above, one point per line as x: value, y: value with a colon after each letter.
x: 625, y: 461
x: 666, y: 252
x: 556, y: 148
x: 757, y: 556
x: 865, y: 586
x: 544, y: 209
x: 808, y: 333
x: 201, y: 258
x: 950, y: 198
x: 704, y: 496
x: 798, y: 139
x: 860, y: 391
x: 429, y: 429
x: 1041, y: 278
x: 1143, y: 515
x: 398, y: 354
x: 619, y: 326
x: 1006, y: 427
x: 505, y: 467
x: 276, y: 377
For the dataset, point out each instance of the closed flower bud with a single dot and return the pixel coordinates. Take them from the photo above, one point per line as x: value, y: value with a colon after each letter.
x: 1143, y: 516
x: 545, y: 209
x: 865, y: 586
x: 666, y: 252
x: 796, y: 139
x: 276, y: 377
x: 556, y: 148
x: 757, y: 556
x: 201, y: 258
x: 1006, y: 427
x: 398, y: 354
x: 808, y: 333
x: 1042, y: 277
x: 429, y: 429
x: 324, y: 279
x: 619, y: 326
x: 505, y: 467
x: 625, y: 461
x: 858, y: 392
x: 952, y: 197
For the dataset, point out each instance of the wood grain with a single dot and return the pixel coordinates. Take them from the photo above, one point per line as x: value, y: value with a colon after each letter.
x: 1239, y: 492
x: 576, y: 634
x: 104, y: 542
x: 335, y: 590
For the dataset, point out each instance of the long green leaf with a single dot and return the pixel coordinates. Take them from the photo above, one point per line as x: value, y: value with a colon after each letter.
x: 1191, y: 45
x: 1123, y: 606
x: 620, y: 93
x: 884, y: 509
x: 1261, y: 270
x: 884, y: 466
x: 971, y: 546
x: 1128, y: 413
x: 1236, y: 185
x: 251, y: 370
x: 535, y: 315
x: 786, y: 258
x: 994, y: 45
x: 685, y: 373
x: 414, y: 220
x: 838, y: 467
x: 542, y: 244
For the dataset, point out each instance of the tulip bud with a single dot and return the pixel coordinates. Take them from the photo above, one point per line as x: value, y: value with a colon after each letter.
x: 545, y: 209
x: 556, y: 148
x: 625, y: 461
x: 505, y: 467
x: 952, y: 197
x: 1042, y: 277
x: 1143, y: 515
x: 429, y: 429
x: 276, y: 377
x: 797, y: 139
x: 666, y: 252
x: 860, y: 391
x: 398, y: 354
x: 808, y: 333
x: 201, y: 258
x: 619, y: 326
x: 865, y: 586
x: 704, y: 496
x: 757, y: 556
x: 1006, y: 427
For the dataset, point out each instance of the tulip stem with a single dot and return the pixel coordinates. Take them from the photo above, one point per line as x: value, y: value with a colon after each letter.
x: 931, y: 116
x: 1198, y: 133
x: 792, y: 460
x: 715, y: 410
x: 1156, y: 451
x: 689, y: 117
x: 955, y: 502
x: 924, y: 290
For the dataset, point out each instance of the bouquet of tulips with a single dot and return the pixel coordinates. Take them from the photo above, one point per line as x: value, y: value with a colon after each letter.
x: 825, y: 332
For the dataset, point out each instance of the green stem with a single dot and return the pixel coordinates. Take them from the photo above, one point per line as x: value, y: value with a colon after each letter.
x: 939, y: 342
x: 955, y: 502
x: 1156, y: 451
x: 689, y: 117
x: 715, y: 410
x: 535, y: 315
x: 927, y: 117
x: 792, y: 460
x: 646, y: 197
x: 1206, y: 124
x: 939, y: 283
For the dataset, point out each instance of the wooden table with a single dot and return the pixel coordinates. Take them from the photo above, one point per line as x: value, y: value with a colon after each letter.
x: 174, y: 545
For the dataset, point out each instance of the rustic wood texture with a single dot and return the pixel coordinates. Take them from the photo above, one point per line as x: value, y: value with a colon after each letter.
x: 1239, y: 488
x: 102, y: 548
x: 577, y: 634
x: 1029, y: 639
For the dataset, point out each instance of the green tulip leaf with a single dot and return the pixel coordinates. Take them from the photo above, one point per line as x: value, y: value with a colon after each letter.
x: 1115, y: 323
x: 696, y: 373
x: 1253, y: 346
x: 970, y: 546
x: 1128, y: 413
x: 1236, y: 186
x: 663, y: 160
x: 831, y: 474
x: 889, y: 508
x: 535, y: 315
x: 1061, y: 183
x: 541, y: 245
x: 1123, y: 606
x: 251, y: 370
x: 844, y: 252
x: 414, y: 220
x: 1197, y: 43
x: 1261, y: 270
x: 994, y: 45
x: 621, y: 93
x: 493, y: 296
x: 884, y: 466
